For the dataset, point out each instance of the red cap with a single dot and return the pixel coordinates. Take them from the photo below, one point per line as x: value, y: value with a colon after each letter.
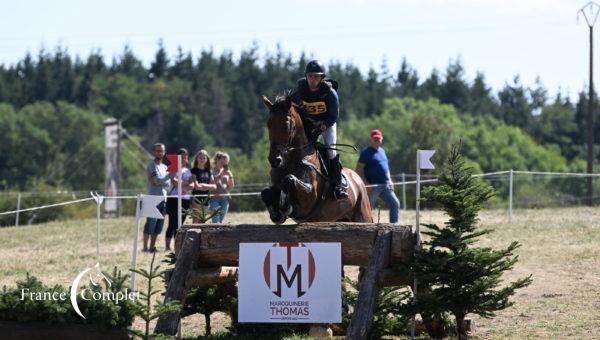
x: 376, y: 133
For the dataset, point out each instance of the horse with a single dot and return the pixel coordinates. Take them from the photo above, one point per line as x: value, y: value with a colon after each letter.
x: 298, y: 184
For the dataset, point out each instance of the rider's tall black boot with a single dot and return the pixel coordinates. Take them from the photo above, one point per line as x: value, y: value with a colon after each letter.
x: 335, y: 174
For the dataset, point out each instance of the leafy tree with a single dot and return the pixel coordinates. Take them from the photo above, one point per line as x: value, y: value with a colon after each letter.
x: 556, y: 125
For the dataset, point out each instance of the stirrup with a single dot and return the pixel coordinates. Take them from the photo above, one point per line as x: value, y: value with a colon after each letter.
x: 340, y: 192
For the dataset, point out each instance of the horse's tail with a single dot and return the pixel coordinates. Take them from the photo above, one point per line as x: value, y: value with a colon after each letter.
x: 362, y: 206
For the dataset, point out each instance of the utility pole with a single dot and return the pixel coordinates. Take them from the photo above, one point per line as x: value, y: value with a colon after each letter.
x: 112, y: 167
x: 590, y: 13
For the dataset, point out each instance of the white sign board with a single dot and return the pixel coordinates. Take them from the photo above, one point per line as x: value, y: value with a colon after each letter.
x: 290, y: 282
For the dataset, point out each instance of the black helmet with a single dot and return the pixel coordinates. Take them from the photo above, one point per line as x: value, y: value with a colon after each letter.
x: 314, y: 66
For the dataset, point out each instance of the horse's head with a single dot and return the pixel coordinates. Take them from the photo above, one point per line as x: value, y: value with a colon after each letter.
x: 285, y: 129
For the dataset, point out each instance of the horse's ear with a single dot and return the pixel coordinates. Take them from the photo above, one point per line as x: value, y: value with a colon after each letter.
x: 267, y: 103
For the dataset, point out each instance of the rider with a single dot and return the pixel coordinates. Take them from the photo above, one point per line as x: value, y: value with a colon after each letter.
x: 320, y: 111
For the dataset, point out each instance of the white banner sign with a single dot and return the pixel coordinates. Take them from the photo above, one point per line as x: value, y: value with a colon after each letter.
x: 290, y: 282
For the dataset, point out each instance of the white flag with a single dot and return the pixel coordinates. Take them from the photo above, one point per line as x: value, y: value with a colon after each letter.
x: 97, y: 197
x: 424, y: 159
x: 149, y: 206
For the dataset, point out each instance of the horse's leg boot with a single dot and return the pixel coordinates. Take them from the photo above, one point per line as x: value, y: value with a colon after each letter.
x: 335, y: 174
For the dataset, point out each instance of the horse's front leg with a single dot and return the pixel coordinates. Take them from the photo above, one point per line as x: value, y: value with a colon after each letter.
x: 291, y: 190
x: 271, y: 197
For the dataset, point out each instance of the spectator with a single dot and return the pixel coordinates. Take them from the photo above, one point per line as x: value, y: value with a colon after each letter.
x: 203, y: 181
x: 159, y: 181
x: 373, y: 168
x: 186, y: 186
x: 224, y: 181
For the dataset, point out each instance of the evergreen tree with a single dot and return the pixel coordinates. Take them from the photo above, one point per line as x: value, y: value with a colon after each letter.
x: 129, y: 65
x: 63, y: 75
x: 376, y: 91
x: 44, y: 84
x: 431, y: 87
x: 407, y: 80
x: 482, y: 102
x: 25, y: 80
x: 461, y: 277
x: 160, y: 65
x: 581, y: 114
x: 183, y: 66
x: 455, y: 90
x: 515, y: 107
x: 93, y: 67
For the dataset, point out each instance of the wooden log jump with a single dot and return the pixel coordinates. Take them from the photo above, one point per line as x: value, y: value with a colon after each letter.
x: 205, y: 251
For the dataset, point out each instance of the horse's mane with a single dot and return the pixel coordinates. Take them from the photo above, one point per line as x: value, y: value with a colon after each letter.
x: 282, y: 103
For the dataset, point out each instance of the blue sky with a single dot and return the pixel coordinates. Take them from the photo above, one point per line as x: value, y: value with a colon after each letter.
x: 499, y: 38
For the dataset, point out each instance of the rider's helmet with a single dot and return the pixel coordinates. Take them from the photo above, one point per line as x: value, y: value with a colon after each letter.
x: 314, y: 66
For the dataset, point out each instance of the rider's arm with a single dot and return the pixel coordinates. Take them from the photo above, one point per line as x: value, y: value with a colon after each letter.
x: 333, y: 108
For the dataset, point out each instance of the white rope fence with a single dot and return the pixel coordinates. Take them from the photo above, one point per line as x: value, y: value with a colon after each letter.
x: 403, y: 183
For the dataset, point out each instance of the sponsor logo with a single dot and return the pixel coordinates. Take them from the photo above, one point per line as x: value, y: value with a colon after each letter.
x: 95, y: 277
x: 285, y: 272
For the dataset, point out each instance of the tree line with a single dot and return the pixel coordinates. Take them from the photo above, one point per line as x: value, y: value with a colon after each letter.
x: 52, y: 106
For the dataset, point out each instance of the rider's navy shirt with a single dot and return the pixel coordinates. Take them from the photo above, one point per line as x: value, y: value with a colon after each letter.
x: 322, y: 105
x: 376, y: 165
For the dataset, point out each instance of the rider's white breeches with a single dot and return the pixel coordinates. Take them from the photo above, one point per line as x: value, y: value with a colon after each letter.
x: 330, y: 137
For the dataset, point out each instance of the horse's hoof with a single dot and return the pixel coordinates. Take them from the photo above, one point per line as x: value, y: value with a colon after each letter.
x: 277, y: 218
x: 278, y: 221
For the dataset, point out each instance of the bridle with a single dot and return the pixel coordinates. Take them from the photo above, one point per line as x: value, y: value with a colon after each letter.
x: 285, y: 149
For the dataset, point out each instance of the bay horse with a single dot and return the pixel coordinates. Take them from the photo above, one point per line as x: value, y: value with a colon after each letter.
x: 298, y: 183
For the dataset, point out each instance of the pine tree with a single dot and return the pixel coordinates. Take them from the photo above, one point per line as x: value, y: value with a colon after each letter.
x: 461, y: 277
x: 160, y: 65
x: 455, y: 89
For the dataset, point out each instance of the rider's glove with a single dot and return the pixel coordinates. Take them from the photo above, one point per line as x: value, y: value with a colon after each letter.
x: 322, y: 127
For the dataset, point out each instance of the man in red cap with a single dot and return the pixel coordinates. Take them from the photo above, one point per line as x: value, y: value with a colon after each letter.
x: 373, y: 168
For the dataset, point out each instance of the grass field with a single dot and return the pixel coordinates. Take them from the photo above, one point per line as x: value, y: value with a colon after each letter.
x: 560, y: 247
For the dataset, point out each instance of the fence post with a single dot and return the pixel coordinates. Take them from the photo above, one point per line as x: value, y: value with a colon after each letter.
x: 404, y: 191
x: 510, y: 195
x: 18, y: 208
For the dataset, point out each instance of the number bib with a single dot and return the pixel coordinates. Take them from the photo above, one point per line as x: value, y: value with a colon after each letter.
x: 315, y: 108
